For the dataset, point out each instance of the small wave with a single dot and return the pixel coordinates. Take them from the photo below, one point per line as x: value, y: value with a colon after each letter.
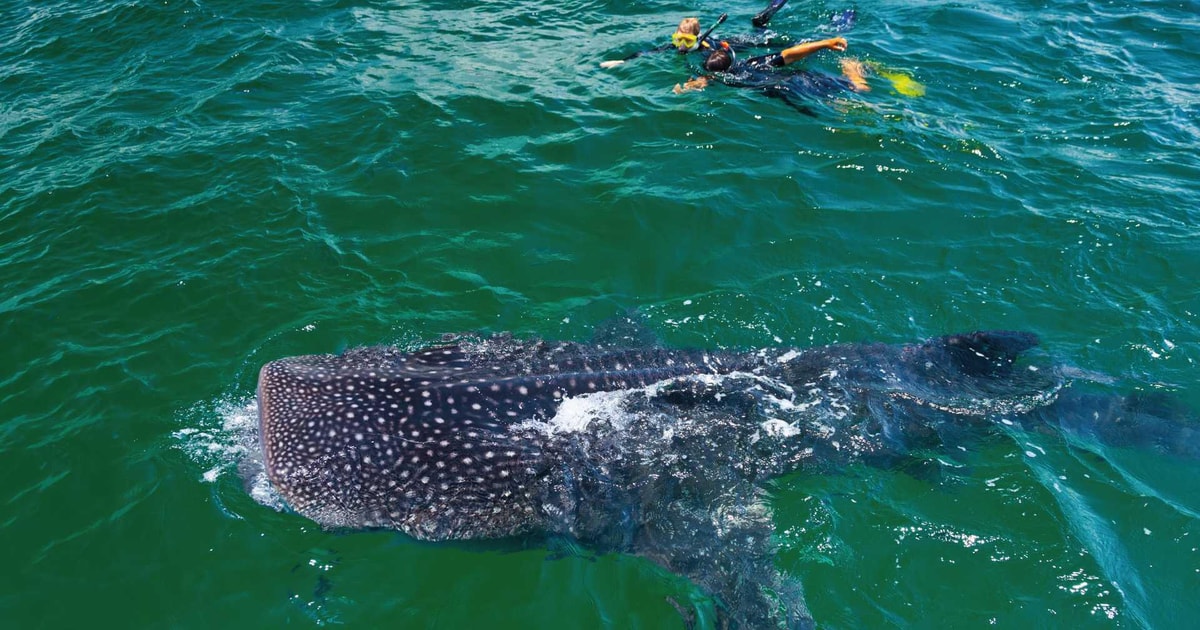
x: 222, y: 437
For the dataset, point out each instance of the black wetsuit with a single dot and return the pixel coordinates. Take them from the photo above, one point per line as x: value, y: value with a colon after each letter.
x: 759, y: 73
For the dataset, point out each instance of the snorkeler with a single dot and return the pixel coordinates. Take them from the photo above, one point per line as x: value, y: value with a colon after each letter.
x: 757, y: 72
x: 687, y: 36
x: 724, y: 59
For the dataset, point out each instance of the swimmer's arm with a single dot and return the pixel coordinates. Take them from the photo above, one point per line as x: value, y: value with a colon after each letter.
x: 800, y: 51
x: 612, y: 63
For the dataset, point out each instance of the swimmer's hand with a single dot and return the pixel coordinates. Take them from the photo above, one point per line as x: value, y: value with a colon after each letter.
x: 692, y: 85
x: 835, y: 43
x: 612, y: 63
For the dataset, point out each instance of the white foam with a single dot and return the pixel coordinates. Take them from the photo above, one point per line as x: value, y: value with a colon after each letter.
x: 576, y: 413
x: 777, y: 428
x: 219, y: 434
x: 221, y: 437
x: 212, y: 474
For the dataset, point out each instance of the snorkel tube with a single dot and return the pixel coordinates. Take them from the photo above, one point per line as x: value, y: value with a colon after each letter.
x: 720, y: 20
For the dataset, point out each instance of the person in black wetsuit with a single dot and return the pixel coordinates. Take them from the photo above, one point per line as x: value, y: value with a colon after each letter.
x: 686, y: 37
x: 758, y: 72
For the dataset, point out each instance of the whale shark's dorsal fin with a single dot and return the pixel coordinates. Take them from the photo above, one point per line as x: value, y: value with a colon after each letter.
x: 990, y: 353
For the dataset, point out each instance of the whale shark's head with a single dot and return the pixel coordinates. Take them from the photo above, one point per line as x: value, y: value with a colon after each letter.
x: 375, y: 438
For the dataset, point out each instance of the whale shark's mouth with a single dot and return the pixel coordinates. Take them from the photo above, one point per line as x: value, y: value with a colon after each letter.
x: 265, y: 438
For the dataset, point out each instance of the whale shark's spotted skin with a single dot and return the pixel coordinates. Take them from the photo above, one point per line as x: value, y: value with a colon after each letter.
x: 655, y: 452
x: 421, y: 442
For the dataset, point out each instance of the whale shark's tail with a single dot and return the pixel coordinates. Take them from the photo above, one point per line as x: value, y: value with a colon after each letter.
x: 988, y: 361
x: 1151, y: 421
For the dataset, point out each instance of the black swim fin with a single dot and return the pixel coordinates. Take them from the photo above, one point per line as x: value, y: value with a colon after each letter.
x: 843, y: 21
x: 766, y: 14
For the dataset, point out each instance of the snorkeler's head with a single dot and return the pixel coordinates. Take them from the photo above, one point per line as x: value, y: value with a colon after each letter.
x: 684, y: 38
x: 720, y: 60
x: 691, y: 26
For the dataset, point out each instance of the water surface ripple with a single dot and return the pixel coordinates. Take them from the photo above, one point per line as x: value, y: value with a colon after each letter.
x: 190, y: 188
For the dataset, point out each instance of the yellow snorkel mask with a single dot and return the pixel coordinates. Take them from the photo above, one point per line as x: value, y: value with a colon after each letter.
x: 683, y: 41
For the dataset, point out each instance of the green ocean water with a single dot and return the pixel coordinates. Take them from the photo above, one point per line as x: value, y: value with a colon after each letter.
x: 189, y: 189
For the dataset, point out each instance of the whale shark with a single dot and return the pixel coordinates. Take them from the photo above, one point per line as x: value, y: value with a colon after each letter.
x: 655, y: 452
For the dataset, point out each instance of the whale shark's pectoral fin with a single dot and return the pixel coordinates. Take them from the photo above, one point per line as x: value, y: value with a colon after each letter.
x: 726, y: 549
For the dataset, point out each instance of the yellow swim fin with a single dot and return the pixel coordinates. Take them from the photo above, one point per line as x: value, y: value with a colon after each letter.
x: 902, y: 83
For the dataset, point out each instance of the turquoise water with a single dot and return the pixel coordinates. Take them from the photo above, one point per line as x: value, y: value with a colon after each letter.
x: 191, y: 189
